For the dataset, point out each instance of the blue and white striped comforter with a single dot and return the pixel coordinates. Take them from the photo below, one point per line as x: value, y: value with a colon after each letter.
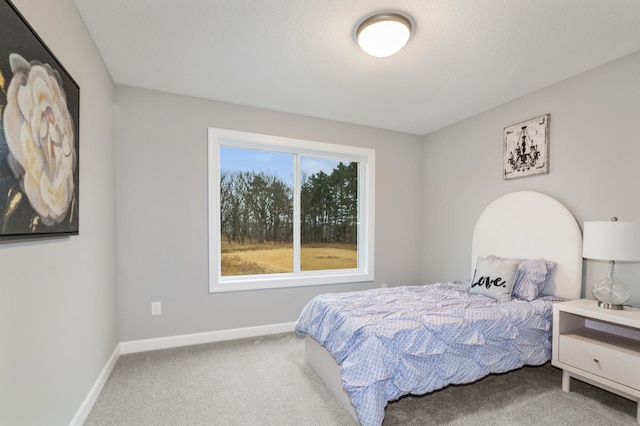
x: 416, y: 339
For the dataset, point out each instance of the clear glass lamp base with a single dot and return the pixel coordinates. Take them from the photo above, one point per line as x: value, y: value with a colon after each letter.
x: 610, y: 292
x: 604, y: 305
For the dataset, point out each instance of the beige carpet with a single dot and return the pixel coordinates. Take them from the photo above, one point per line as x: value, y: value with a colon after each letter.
x: 265, y: 381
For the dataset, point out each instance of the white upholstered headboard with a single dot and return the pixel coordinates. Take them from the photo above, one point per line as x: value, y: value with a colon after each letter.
x: 532, y: 225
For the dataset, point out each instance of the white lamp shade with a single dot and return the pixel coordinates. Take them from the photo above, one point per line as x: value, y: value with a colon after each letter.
x: 611, y: 240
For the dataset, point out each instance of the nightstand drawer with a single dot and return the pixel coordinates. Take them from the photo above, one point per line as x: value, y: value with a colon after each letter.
x: 601, y: 359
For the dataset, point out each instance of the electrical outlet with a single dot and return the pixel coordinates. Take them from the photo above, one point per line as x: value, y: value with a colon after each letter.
x: 156, y: 308
x: 383, y: 286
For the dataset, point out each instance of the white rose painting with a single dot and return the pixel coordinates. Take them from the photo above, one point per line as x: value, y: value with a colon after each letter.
x: 39, y: 105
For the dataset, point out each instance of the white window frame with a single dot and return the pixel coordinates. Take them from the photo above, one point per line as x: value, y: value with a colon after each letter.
x: 366, y: 225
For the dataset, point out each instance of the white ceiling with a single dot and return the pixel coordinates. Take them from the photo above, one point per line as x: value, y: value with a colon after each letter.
x: 299, y: 56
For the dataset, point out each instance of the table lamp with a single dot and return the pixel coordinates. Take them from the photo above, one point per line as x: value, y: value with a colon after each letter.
x: 613, y: 241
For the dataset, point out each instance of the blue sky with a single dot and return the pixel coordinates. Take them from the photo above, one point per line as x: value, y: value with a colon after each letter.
x: 238, y: 159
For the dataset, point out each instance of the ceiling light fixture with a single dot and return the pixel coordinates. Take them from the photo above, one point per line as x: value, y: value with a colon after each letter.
x: 383, y: 34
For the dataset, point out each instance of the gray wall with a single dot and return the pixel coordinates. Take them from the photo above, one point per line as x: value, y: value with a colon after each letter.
x: 58, y: 313
x: 595, y: 172
x: 59, y: 302
x: 161, y: 181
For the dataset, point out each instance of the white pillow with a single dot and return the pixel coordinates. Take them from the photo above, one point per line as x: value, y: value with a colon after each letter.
x: 494, y: 278
x: 532, y: 276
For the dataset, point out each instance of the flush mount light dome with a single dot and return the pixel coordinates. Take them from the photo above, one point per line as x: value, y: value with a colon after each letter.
x: 383, y: 34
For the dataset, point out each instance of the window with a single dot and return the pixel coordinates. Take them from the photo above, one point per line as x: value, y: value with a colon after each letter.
x: 287, y: 213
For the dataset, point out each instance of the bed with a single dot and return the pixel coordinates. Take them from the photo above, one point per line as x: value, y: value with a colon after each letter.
x: 371, y: 347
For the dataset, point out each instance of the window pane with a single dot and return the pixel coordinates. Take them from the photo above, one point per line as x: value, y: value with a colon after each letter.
x: 256, y: 212
x: 328, y: 214
x: 267, y: 227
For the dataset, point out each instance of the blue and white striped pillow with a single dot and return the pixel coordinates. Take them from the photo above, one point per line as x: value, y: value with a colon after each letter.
x: 532, y: 276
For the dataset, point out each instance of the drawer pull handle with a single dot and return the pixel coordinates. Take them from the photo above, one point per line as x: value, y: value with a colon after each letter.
x: 596, y: 361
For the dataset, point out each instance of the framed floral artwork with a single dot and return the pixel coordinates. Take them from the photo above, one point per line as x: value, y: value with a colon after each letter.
x: 39, y: 141
x: 526, y: 148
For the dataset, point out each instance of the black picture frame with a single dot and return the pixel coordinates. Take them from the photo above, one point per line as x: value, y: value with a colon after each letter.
x: 39, y: 136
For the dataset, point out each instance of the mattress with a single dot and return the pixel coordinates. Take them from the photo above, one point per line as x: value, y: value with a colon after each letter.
x: 390, y: 342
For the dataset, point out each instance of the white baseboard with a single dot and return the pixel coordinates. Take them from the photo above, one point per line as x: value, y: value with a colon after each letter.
x: 134, y: 346
x: 94, y: 392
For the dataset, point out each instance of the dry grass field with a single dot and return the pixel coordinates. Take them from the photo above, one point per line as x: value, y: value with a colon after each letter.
x: 278, y: 258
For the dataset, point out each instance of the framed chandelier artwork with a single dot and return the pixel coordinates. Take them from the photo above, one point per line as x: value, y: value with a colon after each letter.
x: 526, y: 148
x: 39, y: 141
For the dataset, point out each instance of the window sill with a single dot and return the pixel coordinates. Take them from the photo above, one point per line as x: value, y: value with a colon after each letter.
x: 287, y: 281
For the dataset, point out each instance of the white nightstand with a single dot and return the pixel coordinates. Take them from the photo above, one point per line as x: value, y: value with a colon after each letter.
x: 598, y: 346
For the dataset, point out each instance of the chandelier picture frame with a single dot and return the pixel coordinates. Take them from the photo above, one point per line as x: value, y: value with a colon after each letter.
x: 526, y: 148
x: 39, y: 135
